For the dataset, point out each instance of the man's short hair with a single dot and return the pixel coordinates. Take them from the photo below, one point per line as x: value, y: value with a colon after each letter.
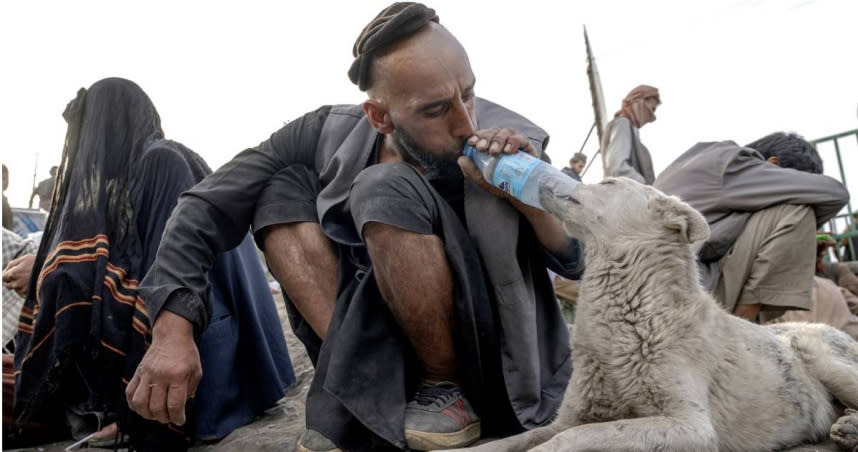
x: 578, y: 157
x: 791, y: 150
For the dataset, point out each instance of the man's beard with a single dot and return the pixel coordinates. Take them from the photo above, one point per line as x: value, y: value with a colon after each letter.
x: 434, y: 167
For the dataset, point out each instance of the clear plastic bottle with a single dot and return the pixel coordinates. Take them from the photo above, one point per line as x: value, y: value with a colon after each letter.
x: 518, y: 174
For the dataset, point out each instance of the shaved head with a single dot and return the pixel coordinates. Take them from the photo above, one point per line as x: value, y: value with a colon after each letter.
x: 431, y: 47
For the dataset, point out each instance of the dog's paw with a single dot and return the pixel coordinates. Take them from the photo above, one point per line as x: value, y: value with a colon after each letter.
x: 844, y: 432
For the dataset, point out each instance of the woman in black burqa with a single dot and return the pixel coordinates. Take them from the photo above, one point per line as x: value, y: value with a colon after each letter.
x: 84, y: 329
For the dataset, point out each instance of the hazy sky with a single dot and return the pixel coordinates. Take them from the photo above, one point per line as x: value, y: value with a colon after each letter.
x: 224, y: 76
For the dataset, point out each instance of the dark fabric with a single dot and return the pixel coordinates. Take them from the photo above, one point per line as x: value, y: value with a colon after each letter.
x: 246, y: 365
x: 338, y: 143
x: 83, y: 328
x: 571, y: 173
x: 392, y: 24
x: 216, y: 214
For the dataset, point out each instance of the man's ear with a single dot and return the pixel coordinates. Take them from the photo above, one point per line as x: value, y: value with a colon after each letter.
x: 680, y: 217
x: 378, y: 116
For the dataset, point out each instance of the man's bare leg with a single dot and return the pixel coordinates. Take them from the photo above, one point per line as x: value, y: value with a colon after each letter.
x: 304, y: 262
x: 415, y: 280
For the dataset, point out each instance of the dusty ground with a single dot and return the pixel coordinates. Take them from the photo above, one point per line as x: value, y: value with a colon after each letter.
x: 280, y: 428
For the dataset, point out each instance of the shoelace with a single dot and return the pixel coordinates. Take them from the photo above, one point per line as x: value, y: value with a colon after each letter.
x: 438, y: 394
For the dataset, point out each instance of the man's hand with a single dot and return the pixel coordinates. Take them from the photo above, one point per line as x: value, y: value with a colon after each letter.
x: 168, y: 373
x: 16, y: 275
x: 495, y: 141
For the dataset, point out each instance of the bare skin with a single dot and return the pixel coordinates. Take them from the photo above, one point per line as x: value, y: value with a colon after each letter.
x: 313, y: 290
x: 416, y: 282
x: 424, y: 87
x: 16, y: 275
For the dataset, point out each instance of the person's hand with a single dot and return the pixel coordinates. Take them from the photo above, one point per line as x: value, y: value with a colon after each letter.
x: 169, y: 372
x: 495, y: 141
x: 16, y: 275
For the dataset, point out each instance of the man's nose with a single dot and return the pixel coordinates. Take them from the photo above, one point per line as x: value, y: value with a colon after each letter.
x: 462, y: 124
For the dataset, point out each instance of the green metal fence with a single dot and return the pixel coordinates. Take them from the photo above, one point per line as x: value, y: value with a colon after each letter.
x: 846, y: 235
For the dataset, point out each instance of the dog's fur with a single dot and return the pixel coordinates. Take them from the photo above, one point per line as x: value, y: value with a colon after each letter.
x: 658, y: 365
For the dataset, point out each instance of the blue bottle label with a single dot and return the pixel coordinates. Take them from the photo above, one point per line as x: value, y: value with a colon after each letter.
x: 512, y: 172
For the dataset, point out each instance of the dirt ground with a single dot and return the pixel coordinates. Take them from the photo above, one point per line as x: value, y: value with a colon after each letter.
x: 281, y: 427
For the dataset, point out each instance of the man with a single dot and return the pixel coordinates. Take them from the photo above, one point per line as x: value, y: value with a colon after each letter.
x: 576, y: 165
x: 421, y: 297
x: 45, y: 190
x: 8, y: 216
x: 623, y: 154
x: 763, y: 203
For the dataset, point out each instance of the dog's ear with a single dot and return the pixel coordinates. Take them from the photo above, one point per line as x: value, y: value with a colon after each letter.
x: 680, y: 217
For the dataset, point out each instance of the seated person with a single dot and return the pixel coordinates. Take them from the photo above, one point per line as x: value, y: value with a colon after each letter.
x: 763, y: 203
x: 83, y: 328
x: 623, y: 153
x: 837, y: 272
x: 420, y: 293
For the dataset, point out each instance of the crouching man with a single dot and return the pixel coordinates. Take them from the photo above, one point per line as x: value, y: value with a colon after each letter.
x: 420, y: 294
x: 763, y: 203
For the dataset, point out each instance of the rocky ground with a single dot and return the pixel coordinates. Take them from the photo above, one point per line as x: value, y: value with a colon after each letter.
x: 281, y: 427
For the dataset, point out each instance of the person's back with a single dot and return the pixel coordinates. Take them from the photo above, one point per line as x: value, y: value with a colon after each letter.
x: 748, y: 192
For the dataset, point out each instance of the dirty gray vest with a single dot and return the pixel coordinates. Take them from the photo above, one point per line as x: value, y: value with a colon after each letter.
x: 344, y: 149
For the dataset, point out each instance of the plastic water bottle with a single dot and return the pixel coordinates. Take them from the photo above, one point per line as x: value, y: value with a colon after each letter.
x: 518, y: 174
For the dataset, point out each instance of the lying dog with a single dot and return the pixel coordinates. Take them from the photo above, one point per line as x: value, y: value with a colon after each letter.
x: 658, y: 365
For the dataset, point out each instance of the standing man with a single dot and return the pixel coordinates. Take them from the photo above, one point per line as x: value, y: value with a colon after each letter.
x: 45, y: 190
x: 419, y: 291
x: 576, y: 165
x: 623, y: 154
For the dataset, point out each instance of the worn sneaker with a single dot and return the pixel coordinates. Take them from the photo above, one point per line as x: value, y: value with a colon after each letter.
x: 440, y: 417
x: 313, y: 441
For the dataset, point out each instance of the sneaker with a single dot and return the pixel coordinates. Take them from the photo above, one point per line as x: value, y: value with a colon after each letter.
x: 313, y: 441
x: 440, y: 417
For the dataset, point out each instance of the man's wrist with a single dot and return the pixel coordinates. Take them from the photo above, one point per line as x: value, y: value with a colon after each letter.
x: 171, y: 324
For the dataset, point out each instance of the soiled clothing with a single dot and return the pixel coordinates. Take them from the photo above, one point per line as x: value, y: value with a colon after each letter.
x: 841, y: 274
x: 771, y: 263
x: 829, y: 307
x: 623, y: 154
x: 727, y: 183
x: 510, y: 327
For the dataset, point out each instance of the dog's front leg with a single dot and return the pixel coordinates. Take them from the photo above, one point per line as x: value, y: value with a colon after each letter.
x: 642, y: 434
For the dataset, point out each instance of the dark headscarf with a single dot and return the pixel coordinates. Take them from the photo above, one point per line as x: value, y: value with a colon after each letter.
x: 392, y: 24
x: 83, y: 329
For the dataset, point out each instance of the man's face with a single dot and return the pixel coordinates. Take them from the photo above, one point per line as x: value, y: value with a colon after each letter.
x: 578, y: 166
x: 430, y: 97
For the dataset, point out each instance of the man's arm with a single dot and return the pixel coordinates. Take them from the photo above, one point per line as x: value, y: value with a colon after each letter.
x: 548, y: 229
x: 750, y: 184
x: 617, y: 151
x: 213, y: 216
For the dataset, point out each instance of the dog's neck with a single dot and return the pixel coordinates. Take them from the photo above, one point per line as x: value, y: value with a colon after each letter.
x: 630, y: 281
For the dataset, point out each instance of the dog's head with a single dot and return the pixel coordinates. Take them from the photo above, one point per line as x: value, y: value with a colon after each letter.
x: 620, y: 208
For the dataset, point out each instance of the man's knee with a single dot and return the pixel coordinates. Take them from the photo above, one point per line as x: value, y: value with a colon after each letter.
x: 393, y: 194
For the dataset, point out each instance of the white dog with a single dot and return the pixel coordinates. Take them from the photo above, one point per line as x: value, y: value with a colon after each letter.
x: 658, y: 365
